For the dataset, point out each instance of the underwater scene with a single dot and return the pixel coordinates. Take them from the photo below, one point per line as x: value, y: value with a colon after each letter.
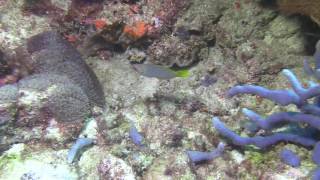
x: 159, y: 90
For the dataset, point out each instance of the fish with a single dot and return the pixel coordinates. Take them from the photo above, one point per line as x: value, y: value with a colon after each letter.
x: 160, y: 72
x: 135, y: 136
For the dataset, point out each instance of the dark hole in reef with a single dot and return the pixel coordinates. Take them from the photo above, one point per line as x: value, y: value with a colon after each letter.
x: 195, y: 32
x: 211, y: 42
x: 88, y: 1
x: 168, y: 171
x: 309, y: 28
x: 130, y: 1
x: 311, y: 32
x: 268, y: 3
x: 4, y: 67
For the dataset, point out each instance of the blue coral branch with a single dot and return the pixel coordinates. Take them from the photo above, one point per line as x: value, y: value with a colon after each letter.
x: 199, y: 156
x: 282, y: 97
x: 316, y: 154
x: 298, y: 96
x: 311, y: 109
x: 280, y: 118
x: 261, y: 141
x: 290, y: 158
x: 316, y: 174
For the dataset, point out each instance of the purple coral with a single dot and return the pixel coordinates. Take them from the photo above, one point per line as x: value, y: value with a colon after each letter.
x: 300, y: 96
x: 316, y: 154
x: 290, y: 158
x: 261, y: 141
x: 198, y: 156
x: 135, y: 136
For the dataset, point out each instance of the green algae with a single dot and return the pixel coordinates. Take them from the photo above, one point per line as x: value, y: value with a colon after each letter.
x: 140, y: 161
x: 263, y: 159
x: 11, y: 157
x: 20, y: 161
x: 258, y: 158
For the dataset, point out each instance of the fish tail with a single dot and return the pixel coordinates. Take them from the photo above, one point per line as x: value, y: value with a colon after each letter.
x: 182, y: 73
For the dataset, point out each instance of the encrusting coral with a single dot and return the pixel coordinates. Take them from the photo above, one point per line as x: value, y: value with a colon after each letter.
x: 299, y: 95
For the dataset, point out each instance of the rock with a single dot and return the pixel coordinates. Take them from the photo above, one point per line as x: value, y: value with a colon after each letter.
x: 172, y: 165
x: 115, y: 168
x: 8, y: 106
x: 171, y: 50
x: 97, y: 163
x: 20, y: 162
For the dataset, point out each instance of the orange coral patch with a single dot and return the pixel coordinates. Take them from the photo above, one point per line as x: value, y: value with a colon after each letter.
x: 100, y: 23
x: 138, y: 30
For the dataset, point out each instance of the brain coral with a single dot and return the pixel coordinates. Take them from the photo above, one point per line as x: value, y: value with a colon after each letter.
x: 50, y: 53
x: 56, y: 97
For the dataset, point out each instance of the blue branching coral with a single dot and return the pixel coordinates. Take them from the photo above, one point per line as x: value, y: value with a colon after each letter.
x: 300, y: 96
x: 290, y: 158
x: 199, y: 156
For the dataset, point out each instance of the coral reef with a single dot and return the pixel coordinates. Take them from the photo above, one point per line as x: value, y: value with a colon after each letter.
x: 190, y: 34
x: 299, y: 96
x: 220, y: 42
